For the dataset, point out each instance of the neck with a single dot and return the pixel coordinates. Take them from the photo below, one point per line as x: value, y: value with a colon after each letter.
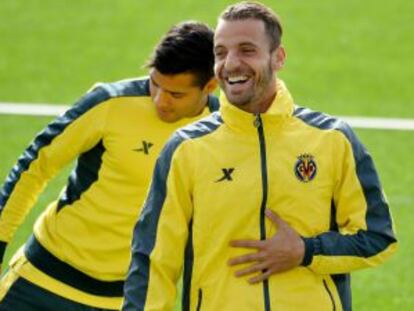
x: 261, y: 105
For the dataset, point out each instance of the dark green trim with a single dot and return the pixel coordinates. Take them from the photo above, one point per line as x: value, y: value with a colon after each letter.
x: 3, y: 246
x: 343, y: 287
x: 26, y: 296
x: 263, y: 164
x: 126, y: 88
x: 330, y: 295
x: 342, y: 281
x: 200, y: 299
x: 83, y: 176
x: 213, y: 103
x: 46, y: 262
x: 309, y: 251
x: 188, y: 269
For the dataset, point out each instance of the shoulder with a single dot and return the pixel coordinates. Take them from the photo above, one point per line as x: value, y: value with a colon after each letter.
x: 128, y: 87
x: 324, y: 122
x: 200, y: 128
x: 191, y: 132
x: 104, y: 92
x: 319, y: 120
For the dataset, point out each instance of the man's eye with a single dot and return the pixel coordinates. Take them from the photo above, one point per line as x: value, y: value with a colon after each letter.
x: 248, y: 51
x: 219, y: 54
x: 177, y: 95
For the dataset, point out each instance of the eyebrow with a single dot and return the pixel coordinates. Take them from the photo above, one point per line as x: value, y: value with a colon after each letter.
x: 250, y: 44
x: 167, y: 90
x: 241, y: 44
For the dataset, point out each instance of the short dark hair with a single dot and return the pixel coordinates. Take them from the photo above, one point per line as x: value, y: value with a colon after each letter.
x: 186, y: 48
x: 256, y: 10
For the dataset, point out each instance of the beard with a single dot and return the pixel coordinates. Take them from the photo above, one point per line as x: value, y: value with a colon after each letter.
x: 255, y: 93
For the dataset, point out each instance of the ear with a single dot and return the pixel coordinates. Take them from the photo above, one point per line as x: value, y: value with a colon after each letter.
x: 278, y: 58
x: 211, y: 85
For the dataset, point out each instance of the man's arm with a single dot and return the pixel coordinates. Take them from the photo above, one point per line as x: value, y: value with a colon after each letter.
x: 160, y: 234
x: 76, y: 131
x: 364, y: 234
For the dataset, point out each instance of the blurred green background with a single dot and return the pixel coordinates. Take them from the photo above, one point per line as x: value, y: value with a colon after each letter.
x: 344, y: 58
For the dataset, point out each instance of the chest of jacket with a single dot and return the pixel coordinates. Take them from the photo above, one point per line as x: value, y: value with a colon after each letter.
x: 291, y: 171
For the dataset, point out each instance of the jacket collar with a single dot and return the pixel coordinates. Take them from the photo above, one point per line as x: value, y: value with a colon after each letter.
x: 279, y: 111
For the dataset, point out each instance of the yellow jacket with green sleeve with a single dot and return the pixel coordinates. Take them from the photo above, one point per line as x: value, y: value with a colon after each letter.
x: 212, y: 183
x: 81, y: 243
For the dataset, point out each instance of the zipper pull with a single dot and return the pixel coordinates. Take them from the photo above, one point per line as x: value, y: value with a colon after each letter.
x: 257, y: 121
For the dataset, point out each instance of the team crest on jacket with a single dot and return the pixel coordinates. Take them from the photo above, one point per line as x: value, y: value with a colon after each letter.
x: 305, y: 167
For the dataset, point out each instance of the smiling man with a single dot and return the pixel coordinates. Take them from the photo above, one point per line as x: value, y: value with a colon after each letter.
x: 78, y: 256
x: 268, y: 206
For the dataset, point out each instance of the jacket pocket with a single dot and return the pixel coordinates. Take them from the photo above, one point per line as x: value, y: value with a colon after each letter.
x: 330, y: 295
x: 200, y: 299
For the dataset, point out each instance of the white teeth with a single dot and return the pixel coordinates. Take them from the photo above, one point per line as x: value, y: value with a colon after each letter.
x: 237, y: 79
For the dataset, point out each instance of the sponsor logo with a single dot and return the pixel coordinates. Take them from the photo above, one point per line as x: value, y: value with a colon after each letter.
x: 145, y: 147
x: 226, y: 174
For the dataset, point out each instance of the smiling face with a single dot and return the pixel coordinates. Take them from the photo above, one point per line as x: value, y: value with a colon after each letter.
x: 177, y: 96
x: 245, y: 65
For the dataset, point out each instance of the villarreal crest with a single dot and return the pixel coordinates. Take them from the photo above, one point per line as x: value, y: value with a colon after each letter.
x: 305, y: 167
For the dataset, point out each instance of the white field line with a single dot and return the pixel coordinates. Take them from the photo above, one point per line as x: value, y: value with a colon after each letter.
x: 32, y: 109
x: 380, y: 123
x: 356, y: 122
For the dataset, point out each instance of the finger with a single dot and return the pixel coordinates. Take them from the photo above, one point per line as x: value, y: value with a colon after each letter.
x: 275, y: 218
x: 252, y: 269
x: 247, y: 244
x: 260, y: 277
x: 245, y: 259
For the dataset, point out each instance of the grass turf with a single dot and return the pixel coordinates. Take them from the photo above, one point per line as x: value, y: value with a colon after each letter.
x: 346, y: 57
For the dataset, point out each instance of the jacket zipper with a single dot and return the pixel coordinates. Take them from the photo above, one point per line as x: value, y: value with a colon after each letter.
x: 263, y: 164
x: 330, y: 295
x: 200, y: 299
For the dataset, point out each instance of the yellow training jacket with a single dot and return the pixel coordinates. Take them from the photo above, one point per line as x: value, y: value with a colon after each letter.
x: 212, y: 183
x: 81, y: 243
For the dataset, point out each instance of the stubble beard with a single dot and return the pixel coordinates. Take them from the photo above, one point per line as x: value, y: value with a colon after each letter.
x: 254, y: 94
x: 239, y: 100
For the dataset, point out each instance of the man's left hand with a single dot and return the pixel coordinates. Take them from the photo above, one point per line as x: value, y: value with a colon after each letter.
x: 282, y: 252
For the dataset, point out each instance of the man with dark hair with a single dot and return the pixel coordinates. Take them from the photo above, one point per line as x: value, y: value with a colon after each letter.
x: 174, y: 56
x: 262, y: 188
x: 78, y: 256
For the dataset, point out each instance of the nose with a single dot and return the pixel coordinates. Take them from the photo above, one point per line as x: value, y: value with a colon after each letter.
x: 232, y: 61
x: 161, y: 98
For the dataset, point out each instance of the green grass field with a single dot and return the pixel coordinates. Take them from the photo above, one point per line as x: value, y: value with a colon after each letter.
x: 344, y: 57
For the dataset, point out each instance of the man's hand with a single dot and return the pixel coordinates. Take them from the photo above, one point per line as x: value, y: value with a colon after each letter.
x: 283, y: 251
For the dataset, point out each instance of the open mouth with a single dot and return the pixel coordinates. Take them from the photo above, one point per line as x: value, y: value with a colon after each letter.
x: 237, y: 79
